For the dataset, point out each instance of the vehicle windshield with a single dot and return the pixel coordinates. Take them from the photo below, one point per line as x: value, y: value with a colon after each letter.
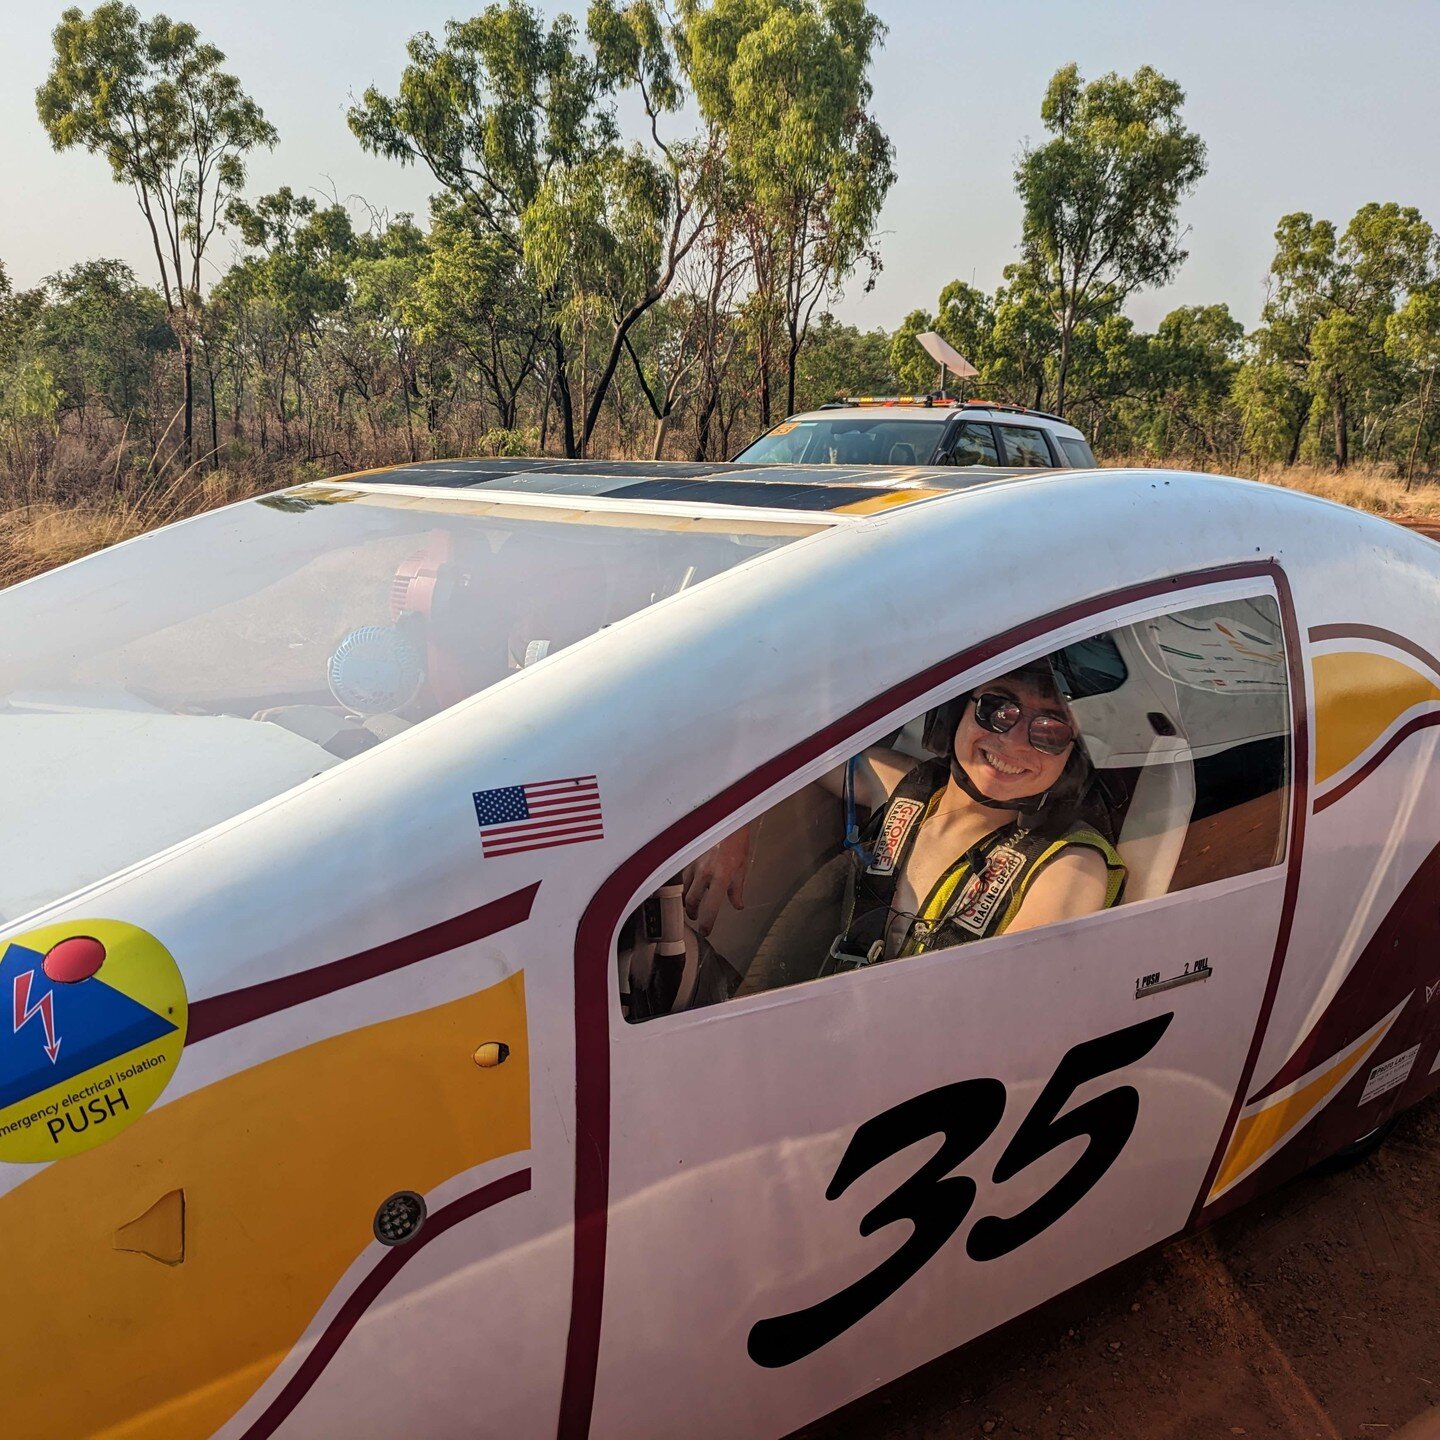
x: 156, y: 689
x: 849, y: 440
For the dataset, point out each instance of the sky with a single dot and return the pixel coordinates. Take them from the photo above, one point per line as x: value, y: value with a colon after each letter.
x: 1316, y: 106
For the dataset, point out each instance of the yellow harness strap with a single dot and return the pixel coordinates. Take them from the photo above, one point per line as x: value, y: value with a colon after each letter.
x: 952, y: 883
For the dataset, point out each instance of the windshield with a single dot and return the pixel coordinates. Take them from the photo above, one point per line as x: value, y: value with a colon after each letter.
x: 153, y: 690
x: 849, y: 440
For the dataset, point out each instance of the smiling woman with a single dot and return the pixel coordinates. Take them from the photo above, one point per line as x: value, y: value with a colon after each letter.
x: 1145, y: 759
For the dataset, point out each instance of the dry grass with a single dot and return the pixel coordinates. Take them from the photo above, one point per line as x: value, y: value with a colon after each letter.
x: 1364, y: 487
x: 43, y: 535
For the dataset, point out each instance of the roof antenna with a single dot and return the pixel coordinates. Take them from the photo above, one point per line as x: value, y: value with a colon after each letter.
x: 947, y: 357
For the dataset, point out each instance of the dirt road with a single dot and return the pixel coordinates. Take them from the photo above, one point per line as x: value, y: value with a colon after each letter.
x: 1313, y: 1313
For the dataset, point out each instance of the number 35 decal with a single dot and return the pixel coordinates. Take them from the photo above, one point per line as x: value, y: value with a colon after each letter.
x: 936, y: 1202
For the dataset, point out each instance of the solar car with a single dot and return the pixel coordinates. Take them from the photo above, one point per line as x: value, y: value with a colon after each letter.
x: 438, y: 998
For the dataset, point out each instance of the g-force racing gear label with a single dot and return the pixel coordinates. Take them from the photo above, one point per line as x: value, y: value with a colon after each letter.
x: 899, y: 817
x: 984, y: 892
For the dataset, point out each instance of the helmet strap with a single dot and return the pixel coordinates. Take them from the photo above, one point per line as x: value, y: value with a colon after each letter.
x: 1026, y: 804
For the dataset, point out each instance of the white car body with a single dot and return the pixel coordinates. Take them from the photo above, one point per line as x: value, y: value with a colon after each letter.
x: 624, y: 1221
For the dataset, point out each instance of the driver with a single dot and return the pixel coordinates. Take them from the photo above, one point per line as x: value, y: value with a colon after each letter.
x: 985, y: 839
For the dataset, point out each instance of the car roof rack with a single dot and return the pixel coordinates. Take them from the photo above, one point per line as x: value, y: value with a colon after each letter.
x: 1011, y: 408
x: 937, y: 399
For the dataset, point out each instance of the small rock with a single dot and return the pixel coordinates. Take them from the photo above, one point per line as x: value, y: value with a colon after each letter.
x: 1114, y: 1346
x: 988, y: 1427
x: 1135, y: 1308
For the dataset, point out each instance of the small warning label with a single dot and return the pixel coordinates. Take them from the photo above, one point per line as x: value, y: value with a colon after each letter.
x: 1389, y: 1074
x: 92, y: 1023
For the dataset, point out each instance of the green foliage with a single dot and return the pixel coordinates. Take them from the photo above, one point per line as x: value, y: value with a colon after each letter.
x: 1187, y: 378
x: 575, y: 292
x: 1102, y: 198
x: 786, y: 82
x: 494, y: 112
x: 964, y: 316
x: 103, y: 332
x: 151, y: 98
x: 840, y: 360
x: 174, y: 126
x: 1327, y: 320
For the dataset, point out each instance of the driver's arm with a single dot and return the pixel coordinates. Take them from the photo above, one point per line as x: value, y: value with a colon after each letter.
x: 1071, y: 885
x: 877, y: 772
x: 720, y: 873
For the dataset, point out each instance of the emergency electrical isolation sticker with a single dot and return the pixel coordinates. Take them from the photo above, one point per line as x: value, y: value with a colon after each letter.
x: 92, y: 1023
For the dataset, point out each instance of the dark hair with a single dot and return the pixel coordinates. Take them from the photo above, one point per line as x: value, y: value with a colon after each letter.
x: 1066, y: 798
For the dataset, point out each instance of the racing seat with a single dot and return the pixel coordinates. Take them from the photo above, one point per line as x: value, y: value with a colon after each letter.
x: 902, y: 453
x: 1157, y: 819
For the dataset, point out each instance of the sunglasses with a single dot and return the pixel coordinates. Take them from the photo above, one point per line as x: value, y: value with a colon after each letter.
x: 998, y: 713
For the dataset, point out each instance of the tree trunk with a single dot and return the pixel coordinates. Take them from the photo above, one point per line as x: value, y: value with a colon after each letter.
x: 703, y: 418
x: 792, y: 359
x: 545, y: 414
x: 1342, y: 431
x: 1419, y: 428
x: 1296, y: 437
x: 214, y: 418
x: 187, y: 368
x: 1062, y: 370
x: 763, y: 356
x: 562, y: 391
x: 662, y: 426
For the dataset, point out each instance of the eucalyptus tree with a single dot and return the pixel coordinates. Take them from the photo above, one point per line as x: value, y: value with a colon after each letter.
x: 104, y: 333
x: 1102, y: 197
x: 964, y: 316
x: 786, y: 82
x: 1413, y: 339
x: 1331, y: 296
x: 615, y: 230
x: 1184, y: 403
x: 1024, y: 341
x: 840, y: 360
x: 500, y: 110
x: 298, y: 285
x: 476, y: 293
x: 1383, y: 254
x: 173, y: 125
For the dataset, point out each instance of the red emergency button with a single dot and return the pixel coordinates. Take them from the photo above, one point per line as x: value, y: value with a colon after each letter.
x: 73, y: 960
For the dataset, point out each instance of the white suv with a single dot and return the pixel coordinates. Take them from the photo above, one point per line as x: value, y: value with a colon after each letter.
x: 922, y: 430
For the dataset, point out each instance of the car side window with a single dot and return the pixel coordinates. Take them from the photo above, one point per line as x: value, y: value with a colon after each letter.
x: 1025, y: 445
x: 1077, y: 452
x: 1147, y: 758
x: 973, y: 444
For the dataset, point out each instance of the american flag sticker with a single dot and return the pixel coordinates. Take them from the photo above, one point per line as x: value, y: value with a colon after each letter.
x: 516, y: 818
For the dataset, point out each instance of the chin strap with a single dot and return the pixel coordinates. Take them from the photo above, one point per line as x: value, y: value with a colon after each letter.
x: 1026, y: 804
